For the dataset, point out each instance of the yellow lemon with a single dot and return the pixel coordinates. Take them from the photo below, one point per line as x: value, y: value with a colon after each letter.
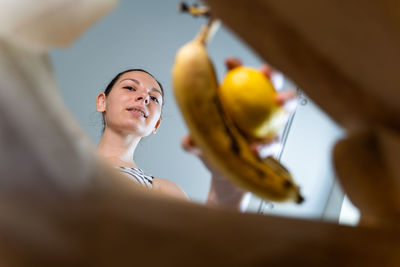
x: 248, y: 97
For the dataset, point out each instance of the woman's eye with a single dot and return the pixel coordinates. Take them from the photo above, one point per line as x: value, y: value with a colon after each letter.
x: 130, y: 88
x: 155, y: 99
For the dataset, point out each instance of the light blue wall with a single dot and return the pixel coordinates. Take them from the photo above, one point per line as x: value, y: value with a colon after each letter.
x: 143, y: 34
x: 147, y: 34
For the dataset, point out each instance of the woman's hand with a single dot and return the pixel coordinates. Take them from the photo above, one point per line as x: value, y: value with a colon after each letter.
x: 286, y: 99
x: 222, y: 192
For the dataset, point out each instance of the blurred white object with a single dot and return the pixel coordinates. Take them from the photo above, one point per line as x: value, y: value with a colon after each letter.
x: 277, y: 80
x: 291, y: 105
x: 38, y: 25
x: 272, y: 149
x: 349, y: 215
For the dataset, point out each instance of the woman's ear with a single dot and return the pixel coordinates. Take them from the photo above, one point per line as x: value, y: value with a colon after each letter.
x: 157, y: 125
x: 101, y: 102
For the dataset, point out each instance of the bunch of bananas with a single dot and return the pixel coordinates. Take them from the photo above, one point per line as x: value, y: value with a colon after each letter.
x: 216, y: 133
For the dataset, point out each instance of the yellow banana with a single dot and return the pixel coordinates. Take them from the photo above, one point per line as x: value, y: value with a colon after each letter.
x: 196, y: 87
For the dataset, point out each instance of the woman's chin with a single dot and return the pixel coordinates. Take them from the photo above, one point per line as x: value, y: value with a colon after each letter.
x: 136, y: 130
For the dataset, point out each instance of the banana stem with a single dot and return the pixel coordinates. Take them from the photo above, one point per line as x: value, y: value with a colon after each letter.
x: 208, y: 31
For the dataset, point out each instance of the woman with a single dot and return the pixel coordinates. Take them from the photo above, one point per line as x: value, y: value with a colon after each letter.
x: 131, y: 106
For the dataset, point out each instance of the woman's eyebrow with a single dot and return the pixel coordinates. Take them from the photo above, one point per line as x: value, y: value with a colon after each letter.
x: 130, y: 79
x: 156, y: 90
x: 138, y: 83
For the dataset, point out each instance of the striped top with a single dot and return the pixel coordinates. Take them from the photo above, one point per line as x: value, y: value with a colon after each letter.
x: 138, y: 176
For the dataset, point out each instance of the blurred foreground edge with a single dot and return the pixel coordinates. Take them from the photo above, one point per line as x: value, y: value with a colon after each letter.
x: 61, y: 206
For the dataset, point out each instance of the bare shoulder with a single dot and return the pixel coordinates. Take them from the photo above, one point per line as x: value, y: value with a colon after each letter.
x: 169, y: 188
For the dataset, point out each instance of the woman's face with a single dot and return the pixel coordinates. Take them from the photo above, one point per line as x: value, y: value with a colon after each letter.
x: 134, y: 104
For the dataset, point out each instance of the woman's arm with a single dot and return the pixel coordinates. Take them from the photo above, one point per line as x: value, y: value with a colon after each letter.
x: 222, y: 192
x: 169, y: 188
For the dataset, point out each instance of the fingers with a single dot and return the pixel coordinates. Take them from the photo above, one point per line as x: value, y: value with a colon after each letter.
x: 284, y: 96
x: 272, y: 149
x: 266, y: 70
x: 232, y: 63
x: 268, y: 147
x: 287, y: 99
x: 189, y: 145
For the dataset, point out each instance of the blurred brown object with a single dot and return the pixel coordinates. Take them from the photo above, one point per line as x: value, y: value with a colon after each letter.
x: 367, y: 163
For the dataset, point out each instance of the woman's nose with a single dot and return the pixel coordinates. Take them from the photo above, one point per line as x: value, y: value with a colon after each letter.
x: 144, y: 97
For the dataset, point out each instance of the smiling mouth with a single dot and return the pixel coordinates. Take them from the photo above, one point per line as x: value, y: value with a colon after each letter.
x: 138, y: 111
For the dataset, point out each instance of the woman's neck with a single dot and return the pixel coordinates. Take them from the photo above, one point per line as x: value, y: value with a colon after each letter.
x: 118, y: 149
